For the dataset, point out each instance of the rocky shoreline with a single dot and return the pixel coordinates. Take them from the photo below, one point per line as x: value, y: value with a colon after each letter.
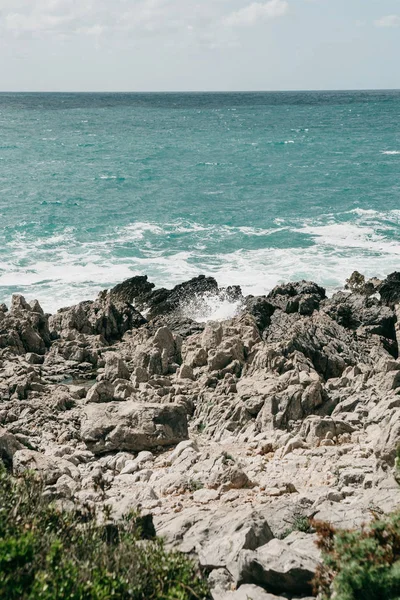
x: 231, y: 434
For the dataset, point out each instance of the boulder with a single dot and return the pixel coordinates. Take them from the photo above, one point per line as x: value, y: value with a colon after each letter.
x: 115, y: 367
x: 281, y: 566
x: 216, y: 536
x: 132, y: 426
x: 9, y: 445
x: 45, y: 467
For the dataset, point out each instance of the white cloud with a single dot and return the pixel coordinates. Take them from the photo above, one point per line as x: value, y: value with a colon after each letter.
x: 255, y: 12
x: 388, y: 21
x: 99, y: 17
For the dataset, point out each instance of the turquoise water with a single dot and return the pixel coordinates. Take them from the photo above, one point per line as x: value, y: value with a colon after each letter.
x: 253, y: 188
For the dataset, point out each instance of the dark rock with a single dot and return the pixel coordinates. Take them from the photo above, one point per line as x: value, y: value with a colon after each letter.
x: 135, y: 290
x: 358, y: 285
x: 302, y: 296
x: 104, y: 316
x: 329, y: 346
x: 354, y: 310
x: 164, y: 301
x: 390, y: 289
x: 262, y: 309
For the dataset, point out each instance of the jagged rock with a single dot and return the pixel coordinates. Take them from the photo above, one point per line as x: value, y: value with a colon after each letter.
x: 358, y: 285
x: 216, y: 536
x: 261, y: 309
x: 303, y: 297
x: 355, y: 310
x: 389, y: 289
x: 329, y: 346
x: 102, y: 391
x: 164, y: 301
x: 135, y: 290
x: 115, y: 368
x: 132, y: 426
x: 105, y: 317
x: 316, y: 429
x: 293, y: 413
x: 281, y: 566
x: 23, y: 329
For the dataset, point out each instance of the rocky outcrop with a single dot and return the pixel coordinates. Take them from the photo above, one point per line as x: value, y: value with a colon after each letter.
x: 24, y: 328
x: 105, y: 317
x: 233, y: 434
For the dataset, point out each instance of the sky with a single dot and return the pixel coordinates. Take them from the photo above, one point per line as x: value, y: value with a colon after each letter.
x: 198, y: 45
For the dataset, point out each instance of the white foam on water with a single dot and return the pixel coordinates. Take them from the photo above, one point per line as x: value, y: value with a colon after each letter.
x: 346, y: 235
x: 60, y: 270
x: 390, y: 152
x: 210, y: 307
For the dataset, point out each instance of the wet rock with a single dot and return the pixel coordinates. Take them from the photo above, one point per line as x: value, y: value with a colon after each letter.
x: 355, y: 310
x: 389, y: 289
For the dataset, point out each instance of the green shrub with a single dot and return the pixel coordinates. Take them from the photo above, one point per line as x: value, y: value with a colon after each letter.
x: 362, y: 564
x: 51, y: 554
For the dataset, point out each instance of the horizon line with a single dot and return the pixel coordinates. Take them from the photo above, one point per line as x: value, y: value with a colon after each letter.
x: 272, y: 91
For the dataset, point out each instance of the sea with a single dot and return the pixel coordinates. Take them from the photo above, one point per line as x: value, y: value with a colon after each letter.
x: 251, y: 188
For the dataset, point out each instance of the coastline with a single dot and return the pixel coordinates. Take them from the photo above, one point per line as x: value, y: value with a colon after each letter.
x: 226, y: 432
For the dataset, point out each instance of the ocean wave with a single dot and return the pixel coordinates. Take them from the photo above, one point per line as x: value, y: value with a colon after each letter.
x: 63, y: 269
x: 390, y: 152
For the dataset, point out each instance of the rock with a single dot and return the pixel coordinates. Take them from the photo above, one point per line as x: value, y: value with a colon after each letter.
x: 358, y: 285
x: 181, y: 447
x: 261, y: 309
x: 22, y: 329
x: 104, y: 317
x: 102, y: 391
x: 281, y: 566
x: 115, y: 368
x: 389, y: 289
x: 28, y: 460
x: 134, y: 290
x: 162, y: 302
x: 205, y: 496
x: 216, y: 536
x: 185, y: 372
x: 388, y: 439
x: 9, y: 445
x: 353, y: 311
x: 132, y: 426
x: 250, y: 592
x: 316, y: 429
x: 303, y: 297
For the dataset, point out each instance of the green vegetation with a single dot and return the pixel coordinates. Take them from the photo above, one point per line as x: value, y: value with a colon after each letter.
x: 302, y: 524
x: 195, y: 484
x: 363, y: 564
x: 51, y: 554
